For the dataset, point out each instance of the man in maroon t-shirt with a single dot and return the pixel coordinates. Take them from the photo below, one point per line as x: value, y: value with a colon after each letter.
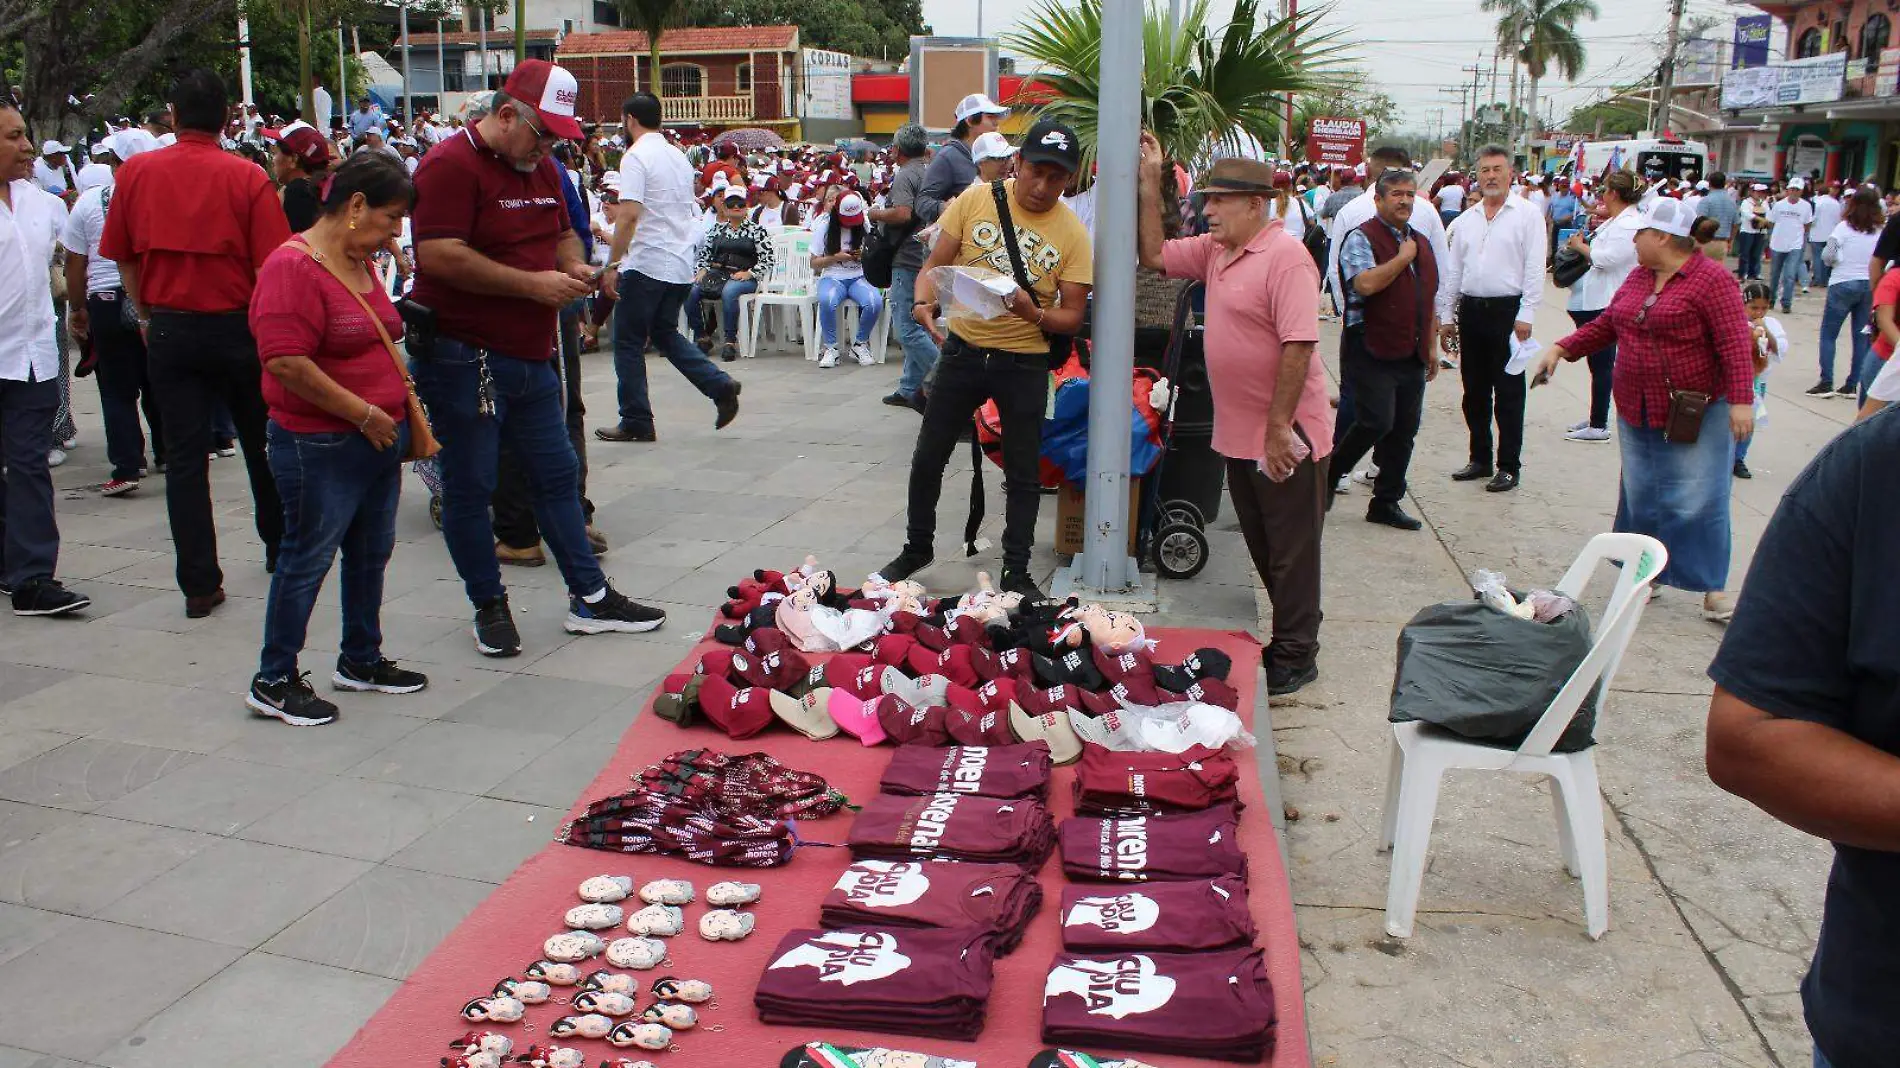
x: 496, y: 262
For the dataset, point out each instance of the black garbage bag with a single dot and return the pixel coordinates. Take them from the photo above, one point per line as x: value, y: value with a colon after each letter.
x: 1487, y: 677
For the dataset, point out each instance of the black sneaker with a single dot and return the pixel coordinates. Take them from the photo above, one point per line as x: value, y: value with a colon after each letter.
x: 46, y: 597
x: 495, y: 633
x: 381, y: 677
x: 291, y: 700
x: 908, y: 563
x: 1285, y: 680
x: 727, y: 408
x: 613, y: 612
x: 1821, y: 389
x: 1742, y: 471
x: 1016, y: 580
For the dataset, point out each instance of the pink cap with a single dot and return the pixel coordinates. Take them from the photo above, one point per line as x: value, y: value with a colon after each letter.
x: 858, y: 718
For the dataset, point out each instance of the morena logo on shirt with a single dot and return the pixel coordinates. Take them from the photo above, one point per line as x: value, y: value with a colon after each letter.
x: 963, y: 772
x: 1124, y: 847
x: 1128, y: 914
x: 883, y: 884
x: 1125, y: 986
x: 931, y: 821
x: 847, y: 957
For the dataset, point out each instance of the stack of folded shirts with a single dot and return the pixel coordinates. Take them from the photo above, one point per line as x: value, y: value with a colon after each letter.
x: 1000, y: 898
x: 1003, y: 771
x: 955, y: 827
x: 1200, y: 915
x: 1217, y: 1004
x: 1108, y: 782
x: 920, y: 981
x: 1193, y: 845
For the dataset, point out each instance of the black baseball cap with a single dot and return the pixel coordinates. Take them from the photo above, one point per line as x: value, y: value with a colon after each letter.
x: 1049, y: 141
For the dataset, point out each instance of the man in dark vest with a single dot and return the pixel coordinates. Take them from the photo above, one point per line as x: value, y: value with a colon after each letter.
x: 1390, y: 279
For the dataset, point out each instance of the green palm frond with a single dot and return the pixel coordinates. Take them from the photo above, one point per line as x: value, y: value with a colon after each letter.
x: 1201, y: 87
x: 1543, y: 33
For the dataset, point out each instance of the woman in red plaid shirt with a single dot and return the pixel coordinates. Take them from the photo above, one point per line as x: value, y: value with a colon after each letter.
x: 1679, y: 326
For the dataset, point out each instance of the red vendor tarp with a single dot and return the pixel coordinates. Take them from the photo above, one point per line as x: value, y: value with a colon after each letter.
x: 504, y: 934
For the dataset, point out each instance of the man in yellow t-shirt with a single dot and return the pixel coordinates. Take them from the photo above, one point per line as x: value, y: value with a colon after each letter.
x: 1007, y: 358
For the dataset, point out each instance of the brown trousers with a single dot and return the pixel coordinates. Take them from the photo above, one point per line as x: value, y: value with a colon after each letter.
x: 1282, y: 522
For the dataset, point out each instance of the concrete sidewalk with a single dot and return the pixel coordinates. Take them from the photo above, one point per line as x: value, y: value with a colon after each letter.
x: 1714, y: 906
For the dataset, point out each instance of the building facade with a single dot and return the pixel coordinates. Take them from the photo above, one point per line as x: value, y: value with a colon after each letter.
x: 710, y: 78
x: 1833, y: 97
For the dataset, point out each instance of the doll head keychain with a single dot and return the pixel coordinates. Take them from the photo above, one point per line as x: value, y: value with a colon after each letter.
x: 691, y: 991
x: 556, y: 973
x: 606, y: 889
x: 635, y: 1034
x: 570, y: 946
x: 553, y: 1057
x: 604, y: 1002
x: 611, y: 983
x: 639, y: 954
x: 526, y: 991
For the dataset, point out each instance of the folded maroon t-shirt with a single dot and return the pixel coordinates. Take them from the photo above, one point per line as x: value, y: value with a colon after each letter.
x: 1109, y: 782
x: 953, y: 827
x: 1193, y: 845
x: 1213, y: 1004
x: 1019, y: 770
x: 1200, y: 915
x: 919, y: 981
x: 908, y: 893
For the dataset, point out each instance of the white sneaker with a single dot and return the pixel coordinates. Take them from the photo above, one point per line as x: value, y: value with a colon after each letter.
x: 1448, y: 363
x: 55, y: 457
x: 862, y: 353
x: 70, y: 443
x: 1588, y: 433
x: 828, y: 358
x: 1804, y: 291
x: 1344, y: 484
x: 1574, y: 427
x: 1368, y: 476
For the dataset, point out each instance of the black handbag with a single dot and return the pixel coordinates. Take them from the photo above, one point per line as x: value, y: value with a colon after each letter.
x: 1568, y: 267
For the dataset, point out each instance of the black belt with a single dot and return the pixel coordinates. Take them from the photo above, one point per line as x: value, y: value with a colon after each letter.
x: 1489, y: 302
x: 155, y: 310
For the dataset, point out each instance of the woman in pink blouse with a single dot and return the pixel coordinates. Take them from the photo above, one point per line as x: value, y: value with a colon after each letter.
x: 338, y: 431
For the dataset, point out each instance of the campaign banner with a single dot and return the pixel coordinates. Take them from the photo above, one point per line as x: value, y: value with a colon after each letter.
x: 1336, y: 141
x: 1802, y: 81
x: 1751, y: 41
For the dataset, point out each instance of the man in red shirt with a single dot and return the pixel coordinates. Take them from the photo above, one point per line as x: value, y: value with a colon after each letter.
x: 496, y: 261
x: 189, y: 227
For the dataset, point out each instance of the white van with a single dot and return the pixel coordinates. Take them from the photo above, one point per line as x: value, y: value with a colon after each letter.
x: 1678, y: 159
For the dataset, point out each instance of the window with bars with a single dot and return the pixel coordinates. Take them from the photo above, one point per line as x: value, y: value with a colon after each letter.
x: 682, y: 79
x: 1808, y: 45
x: 1874, y: 35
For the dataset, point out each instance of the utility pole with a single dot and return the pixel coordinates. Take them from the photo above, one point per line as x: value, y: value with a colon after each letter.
x: 521, y: 31
x: 408, y: 82
x: 1462, y: 93
x: 1286, y: 125
x: 1669, y: 66
x: 441, y: 72
x: 342, y: 77
x: 244, y: 59
x: 1468, y: 132
x: 482, y: 14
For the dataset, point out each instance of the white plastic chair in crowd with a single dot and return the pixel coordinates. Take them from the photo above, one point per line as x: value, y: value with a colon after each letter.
x: 1422, y: 754
x: 790, y: 286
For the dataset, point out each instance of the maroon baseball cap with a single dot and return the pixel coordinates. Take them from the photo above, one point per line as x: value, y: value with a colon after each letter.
x: 970, y: 722
x: 1117, y: 666
x: 1039, y: 701
x: 551, y: 91
x: 908, y: 725
x: 305, y: 143
x: 998, y: 694
x: 740, y: 713
x: 717, y: 663
x: 1096, y: 704
x: 853, y: 674
x: 1213, y: 691
x: 932, y: 637
x: 985, y: 663
x: 893, y: 649
x: 1137, y: 690
x: 965, y: 630
x: 1018, y: 663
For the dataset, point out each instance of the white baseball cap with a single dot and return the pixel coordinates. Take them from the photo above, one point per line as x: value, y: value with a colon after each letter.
x: 1703, y: 185
x: 978, y: 104
x: 1758, y: 187
x: 53, y: 148
x: 991, y: 145
x: 1668, y: 216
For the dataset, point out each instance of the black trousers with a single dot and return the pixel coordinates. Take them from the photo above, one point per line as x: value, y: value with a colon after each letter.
x: 513, y: 499
x: 1602, y: 374
x: 29, y: 534
x: 1282, y: 522
x: 195, y: 361
x: 965, y: 378
x: 125, y: 387
x: 1484, y: 340
x: 1388, y: 401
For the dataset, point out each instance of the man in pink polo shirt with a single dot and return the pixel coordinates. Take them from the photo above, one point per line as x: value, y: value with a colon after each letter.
x: 1272, y: 419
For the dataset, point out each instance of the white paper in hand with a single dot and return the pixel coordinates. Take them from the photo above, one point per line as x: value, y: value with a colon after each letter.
x: 1522, y: 353
x: 972, y: 292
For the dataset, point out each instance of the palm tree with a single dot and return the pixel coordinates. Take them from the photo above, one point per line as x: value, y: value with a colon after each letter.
x: 653, y: 16
x: 1542, y: 34
x: 1202, y: 89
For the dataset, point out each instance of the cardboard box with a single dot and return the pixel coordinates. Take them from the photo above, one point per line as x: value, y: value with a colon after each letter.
x: 1070, y: 509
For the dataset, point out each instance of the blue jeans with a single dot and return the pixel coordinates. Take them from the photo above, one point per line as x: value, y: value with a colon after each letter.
x: 728, y: 307
x: 650, y: 308
x: 920, y: 353
x: 835, y: 291
x: 1818, y: 270
x: 1748, y: 248
x: 1679, y: 495
x: 1820, y: 1061
x: 1847, y: 302
x: 1784, y: 270
x: 339, y: 492
x: 527, y: 411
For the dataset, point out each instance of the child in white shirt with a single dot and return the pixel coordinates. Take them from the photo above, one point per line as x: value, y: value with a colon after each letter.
x: 1771, y: 344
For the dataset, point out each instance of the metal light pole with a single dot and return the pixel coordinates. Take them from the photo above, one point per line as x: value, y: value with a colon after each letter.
x: 244, y: 59
x: 1104, y: 565
x: 482, y: 14
x: 408, y: 109
x: 441, y: 73
x: 342, y: 77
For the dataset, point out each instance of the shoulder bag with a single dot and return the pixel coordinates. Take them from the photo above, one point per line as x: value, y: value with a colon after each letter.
x: 422, y: 443
x: 1683, y: 423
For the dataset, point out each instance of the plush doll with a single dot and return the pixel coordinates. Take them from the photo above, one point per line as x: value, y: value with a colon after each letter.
x: 595, y: 917
x: 606, y: 889
x: 677, y: 1017
x: 478, y: 1059
x: 730, y: 894
x: 667, y: 892
x: 593, y: 1025
x: 526, y: 991
x: 552, y: 972
x: 611, y: 982
x: 604, y: 1003
x: 725, y: 925
x: 570, y: 946
x: 641, y: 1035
x: 691, y: 991
x: 663, y: 921
x: 499, y: 1009
x: 639, y: 954
x: 490, y: 1042
x: 553, y: 1057
x: 622, y: 1062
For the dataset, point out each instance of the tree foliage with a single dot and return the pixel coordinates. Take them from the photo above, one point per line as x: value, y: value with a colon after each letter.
x: 873, y: 28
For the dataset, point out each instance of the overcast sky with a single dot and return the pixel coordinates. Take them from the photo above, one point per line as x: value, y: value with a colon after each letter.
x: 1415, y: 55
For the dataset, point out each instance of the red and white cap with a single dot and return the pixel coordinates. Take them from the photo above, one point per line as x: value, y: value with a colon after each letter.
x: 851, y: 209
x: 551, y: 91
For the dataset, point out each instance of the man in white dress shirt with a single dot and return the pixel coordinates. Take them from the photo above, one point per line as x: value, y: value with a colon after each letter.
x: 30, y: 222
x: 1828, y: 210
x: 1488, y: 294
x: 650, y: 271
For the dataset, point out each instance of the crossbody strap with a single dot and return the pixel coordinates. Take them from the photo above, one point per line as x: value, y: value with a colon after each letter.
x: 1008, y: 225
x: 374, y: 320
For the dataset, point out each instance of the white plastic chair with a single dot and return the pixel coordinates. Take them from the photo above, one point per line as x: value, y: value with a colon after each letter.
x: 1421, y: 754
x: 790, y: 285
